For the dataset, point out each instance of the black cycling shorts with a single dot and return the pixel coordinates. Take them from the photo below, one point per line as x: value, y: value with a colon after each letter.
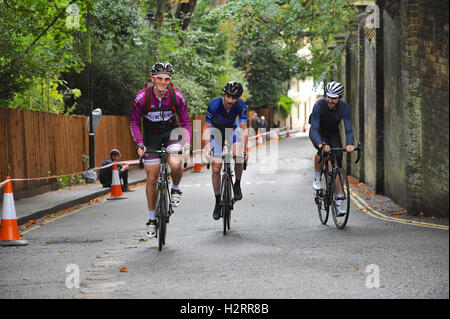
x: 170, y: 139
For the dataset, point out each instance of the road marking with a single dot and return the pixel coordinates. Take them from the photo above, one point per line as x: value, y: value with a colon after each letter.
x: 366, y: 208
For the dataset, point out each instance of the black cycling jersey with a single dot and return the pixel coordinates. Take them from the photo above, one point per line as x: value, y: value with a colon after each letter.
x: 325, y: 122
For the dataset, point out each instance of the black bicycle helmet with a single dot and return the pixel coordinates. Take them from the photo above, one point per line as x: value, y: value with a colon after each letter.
x: 334, y: 89
x: 233, y: 89
x: 162, y: 67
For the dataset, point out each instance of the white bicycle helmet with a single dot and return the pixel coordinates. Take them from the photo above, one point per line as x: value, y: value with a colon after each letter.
x: 334, y: 89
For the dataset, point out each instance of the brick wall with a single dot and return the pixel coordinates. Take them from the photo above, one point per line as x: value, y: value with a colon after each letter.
x: 395, y: 158
x: 432, y: 53
x: 400, y: 91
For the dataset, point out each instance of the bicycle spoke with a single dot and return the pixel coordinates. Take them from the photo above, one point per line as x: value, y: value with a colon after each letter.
x: 340, y: 199
x: 321, y: 200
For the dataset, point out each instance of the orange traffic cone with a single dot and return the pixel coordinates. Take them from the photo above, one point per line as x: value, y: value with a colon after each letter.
x: 196, y: 159
x: 9, y: 232
x: 116, y: 189
x: 197, y: 168
x: 288, y: 134
x: 260, y: 141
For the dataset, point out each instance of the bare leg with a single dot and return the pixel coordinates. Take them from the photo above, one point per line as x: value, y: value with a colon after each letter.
x: 176, y: 171
x: 150, y: 188
x: 216, y: 169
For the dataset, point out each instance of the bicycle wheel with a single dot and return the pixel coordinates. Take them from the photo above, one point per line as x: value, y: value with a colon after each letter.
x: 321, y: 199
x: 230, y: 202
x: 225, y: 203
x: 340, y: 194
x: 161, y: 215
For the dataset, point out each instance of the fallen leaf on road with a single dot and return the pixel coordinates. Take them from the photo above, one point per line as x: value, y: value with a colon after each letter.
x: 356, y: 268
x: 142, y: 239
x: 335, y: 276
x: 123, y: 269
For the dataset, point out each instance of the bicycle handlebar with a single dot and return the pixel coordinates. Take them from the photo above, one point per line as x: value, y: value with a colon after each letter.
x: 162, y: 151
x: 223, y: 157
x: 359, y: 149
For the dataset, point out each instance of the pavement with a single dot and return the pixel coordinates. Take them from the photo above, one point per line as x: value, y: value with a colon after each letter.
x: 36, y: 207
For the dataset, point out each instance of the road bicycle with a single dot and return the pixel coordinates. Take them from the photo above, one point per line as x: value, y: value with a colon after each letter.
x: 333, y: 179
x: 163, y: 200
x: 226, y: 188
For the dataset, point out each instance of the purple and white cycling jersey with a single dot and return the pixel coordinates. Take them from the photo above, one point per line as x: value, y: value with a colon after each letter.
x: 159, y: 112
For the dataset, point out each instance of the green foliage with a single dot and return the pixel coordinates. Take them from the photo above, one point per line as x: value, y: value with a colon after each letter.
x: 268, y: 35
x: 35, y: 45
x: 125, y: 46
x: 285, y: 102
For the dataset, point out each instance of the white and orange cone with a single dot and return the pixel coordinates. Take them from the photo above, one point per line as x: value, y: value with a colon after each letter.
x: 9, y: 232
x: 260, y: 141
x: 197, y: 168
x: 116, y: 189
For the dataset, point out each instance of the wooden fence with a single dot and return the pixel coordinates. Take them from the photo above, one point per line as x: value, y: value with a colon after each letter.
x: 38, y: 144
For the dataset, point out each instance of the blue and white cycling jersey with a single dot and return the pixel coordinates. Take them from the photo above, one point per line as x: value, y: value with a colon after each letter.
x: 225, y: 124
x: 217, y: 115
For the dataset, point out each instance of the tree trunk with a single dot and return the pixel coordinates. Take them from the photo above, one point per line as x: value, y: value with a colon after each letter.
x: 184, y: 12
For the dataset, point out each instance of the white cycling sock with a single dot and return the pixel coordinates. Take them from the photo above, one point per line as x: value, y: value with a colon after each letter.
x: 317, y: 176
x: 152, y: 214
x: 339, y: 198
x: 176, y: 187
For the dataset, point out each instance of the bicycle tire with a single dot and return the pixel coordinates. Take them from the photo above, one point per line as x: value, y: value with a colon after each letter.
x: 230, y: 202
x: 161, y: 213
x: 321, y: 199
x: 225, y: 201
x: 340, y: 221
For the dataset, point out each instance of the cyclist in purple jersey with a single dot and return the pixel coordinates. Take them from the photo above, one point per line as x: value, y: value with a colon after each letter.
x: 165, y: 122
x: 324, y: 132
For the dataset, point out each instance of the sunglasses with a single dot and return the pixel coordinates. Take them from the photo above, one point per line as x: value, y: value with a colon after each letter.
x: 161, y: 79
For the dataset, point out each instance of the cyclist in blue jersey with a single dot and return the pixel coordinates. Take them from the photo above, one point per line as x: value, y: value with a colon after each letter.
x: 324, y: 133
x: 221, y: 124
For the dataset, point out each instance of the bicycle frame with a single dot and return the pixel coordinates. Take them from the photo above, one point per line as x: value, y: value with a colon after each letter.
x: 226, y: 187
x: 163, y: 203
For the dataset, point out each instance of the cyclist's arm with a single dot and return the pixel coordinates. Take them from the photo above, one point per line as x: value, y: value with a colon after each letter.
x: 348, y: 128
x: 315, y: 125
x: 183, y: 116
x: 243, y: 123
x: 135, y: 118
x: 244, y: 130
x: 206, y: 134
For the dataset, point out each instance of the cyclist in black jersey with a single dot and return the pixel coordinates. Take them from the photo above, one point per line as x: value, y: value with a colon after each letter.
x: 324, y: 132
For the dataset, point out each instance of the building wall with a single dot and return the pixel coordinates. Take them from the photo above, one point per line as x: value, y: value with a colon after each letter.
x: 305, y: 95
x: 426, y: 55
x: 395, y: 160
x: 402, y: 79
